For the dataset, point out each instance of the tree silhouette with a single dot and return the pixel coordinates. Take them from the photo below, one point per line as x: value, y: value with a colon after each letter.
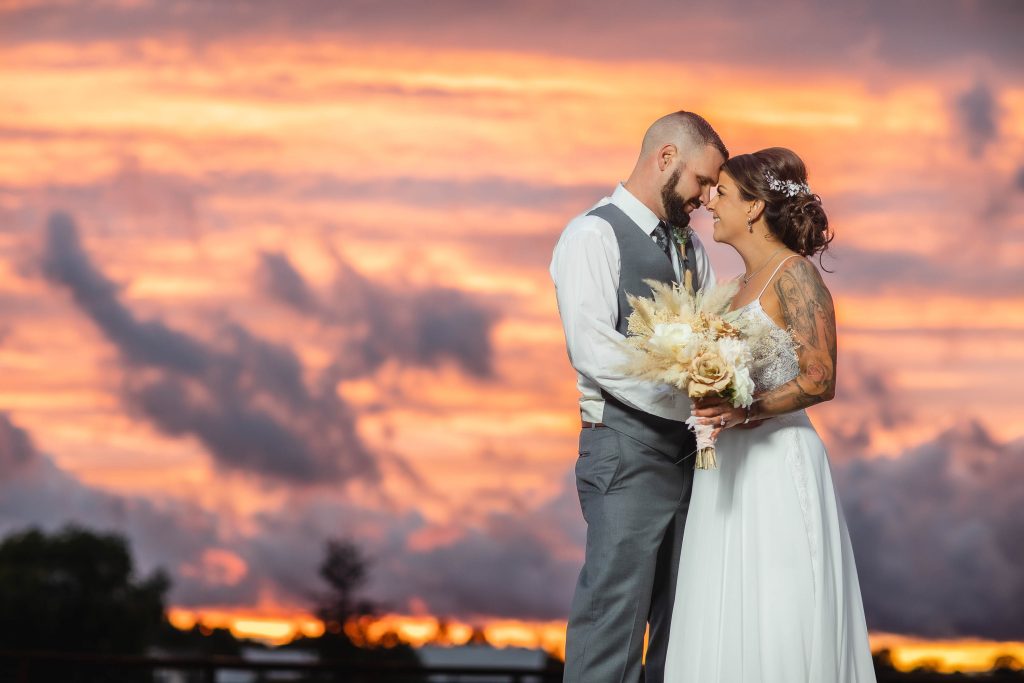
x: 346, y: 612
x: 883, y: 660
x: 344, y: 569
x: 76, y: 590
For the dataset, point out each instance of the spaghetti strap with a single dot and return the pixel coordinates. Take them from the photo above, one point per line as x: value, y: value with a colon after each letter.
x: 774, y: 273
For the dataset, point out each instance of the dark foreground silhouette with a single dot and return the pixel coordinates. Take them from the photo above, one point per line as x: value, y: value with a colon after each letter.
x: 73, y: 609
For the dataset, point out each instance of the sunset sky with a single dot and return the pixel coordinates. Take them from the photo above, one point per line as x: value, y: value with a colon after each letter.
x: 273, y: 273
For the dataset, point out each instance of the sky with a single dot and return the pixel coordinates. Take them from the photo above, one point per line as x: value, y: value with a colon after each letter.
x: 275, y: 273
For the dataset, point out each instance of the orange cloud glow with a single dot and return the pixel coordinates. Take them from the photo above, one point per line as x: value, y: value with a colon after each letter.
x: 422, y: 169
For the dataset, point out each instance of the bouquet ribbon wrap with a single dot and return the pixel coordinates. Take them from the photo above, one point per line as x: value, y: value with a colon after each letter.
x: 705, y: 443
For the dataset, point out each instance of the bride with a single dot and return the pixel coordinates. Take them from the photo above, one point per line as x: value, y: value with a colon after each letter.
x: 767, y: 589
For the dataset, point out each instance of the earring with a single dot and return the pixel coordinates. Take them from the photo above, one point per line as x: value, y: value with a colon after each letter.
x: 750, y: 227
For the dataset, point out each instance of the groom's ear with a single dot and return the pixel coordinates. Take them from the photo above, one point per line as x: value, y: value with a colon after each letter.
x: 666, y: 155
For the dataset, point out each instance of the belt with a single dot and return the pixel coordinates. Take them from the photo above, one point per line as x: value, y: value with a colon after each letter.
x: 592, y: 425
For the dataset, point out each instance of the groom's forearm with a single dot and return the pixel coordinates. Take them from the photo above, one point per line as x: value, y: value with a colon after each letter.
x: 601, y: 364
x: 585, y: 273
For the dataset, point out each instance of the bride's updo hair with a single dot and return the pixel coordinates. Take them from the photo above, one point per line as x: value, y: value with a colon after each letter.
x: 778, y: 177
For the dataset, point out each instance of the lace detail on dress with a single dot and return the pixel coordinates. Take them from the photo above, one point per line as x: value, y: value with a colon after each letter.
x: 774, y: 355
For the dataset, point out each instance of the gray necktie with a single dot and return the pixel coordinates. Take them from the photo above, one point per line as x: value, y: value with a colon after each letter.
x: 662, y: 239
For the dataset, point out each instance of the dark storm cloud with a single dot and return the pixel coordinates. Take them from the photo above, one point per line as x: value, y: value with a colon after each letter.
x: 448, y: 324
x: 244, y: 398
x: 142, y: 342
x: 517, y: 565
x: 866, y: 403
x: 814, y: 35
x: 289, y: 546
x: 281, y: 553
x: 279, y: 279
x: 504, y: 569
x: 520, y: 564
x: 977, y: 112
x: 938, y: 534
x: 16, y: 450
x: 425, y: 327
x: 166, y: 534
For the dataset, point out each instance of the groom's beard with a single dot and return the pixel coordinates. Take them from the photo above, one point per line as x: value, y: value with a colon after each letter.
x: 675, y: 204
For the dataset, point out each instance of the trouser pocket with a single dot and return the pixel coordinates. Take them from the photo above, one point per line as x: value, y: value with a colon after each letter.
x: 599, y: 458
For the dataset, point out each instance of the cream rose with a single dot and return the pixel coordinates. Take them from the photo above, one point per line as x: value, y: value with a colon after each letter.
x: 709, y: 374
x: 733, y: 351
x: 672, y: 338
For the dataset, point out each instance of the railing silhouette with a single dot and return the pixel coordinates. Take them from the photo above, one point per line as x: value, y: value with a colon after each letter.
x: 59, y: 667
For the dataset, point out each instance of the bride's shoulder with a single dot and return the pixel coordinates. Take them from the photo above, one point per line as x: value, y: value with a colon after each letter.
x: 796, y: 282
x: 800, y: 279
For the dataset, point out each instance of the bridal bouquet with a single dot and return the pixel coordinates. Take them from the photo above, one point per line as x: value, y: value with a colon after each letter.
x: 695, y: 344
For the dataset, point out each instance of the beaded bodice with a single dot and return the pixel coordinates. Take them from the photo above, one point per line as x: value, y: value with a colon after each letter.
x: 774, y: 354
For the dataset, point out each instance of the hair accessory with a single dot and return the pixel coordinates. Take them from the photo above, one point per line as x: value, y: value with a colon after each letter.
x: 786, y: 187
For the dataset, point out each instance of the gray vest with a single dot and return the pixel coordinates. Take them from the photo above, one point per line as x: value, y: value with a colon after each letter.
x: 641, y: 259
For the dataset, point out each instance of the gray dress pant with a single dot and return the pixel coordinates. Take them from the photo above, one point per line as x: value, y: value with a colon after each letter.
x: 634, y: 500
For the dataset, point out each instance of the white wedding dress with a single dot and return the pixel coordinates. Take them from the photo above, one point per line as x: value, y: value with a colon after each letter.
x: 767, y: 589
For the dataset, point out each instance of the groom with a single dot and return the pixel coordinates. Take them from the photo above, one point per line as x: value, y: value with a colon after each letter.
x: 633, y: 483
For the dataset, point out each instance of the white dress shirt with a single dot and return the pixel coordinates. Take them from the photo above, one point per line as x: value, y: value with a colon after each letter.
x: 585, y: 270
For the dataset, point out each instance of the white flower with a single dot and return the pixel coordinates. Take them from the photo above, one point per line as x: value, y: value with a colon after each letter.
x: 733, y: 351
x: 742, y: 388
x: 672, y: 338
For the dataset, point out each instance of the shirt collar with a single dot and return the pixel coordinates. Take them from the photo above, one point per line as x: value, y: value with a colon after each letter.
x: 635, y: 209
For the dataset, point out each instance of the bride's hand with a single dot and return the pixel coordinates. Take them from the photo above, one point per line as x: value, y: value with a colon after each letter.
x: 719, y: 413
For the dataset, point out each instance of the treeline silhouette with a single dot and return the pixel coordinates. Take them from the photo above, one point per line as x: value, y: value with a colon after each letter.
x: 77, y: 591
x: 1005, y: 668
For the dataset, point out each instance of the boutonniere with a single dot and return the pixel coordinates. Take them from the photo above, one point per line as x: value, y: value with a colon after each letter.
x: 682, y: 236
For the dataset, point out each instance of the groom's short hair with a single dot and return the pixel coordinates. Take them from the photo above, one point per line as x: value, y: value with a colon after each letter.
x: 682, y: 127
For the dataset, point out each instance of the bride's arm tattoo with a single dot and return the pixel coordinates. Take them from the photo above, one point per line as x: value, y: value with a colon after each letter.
x: 808, y: 311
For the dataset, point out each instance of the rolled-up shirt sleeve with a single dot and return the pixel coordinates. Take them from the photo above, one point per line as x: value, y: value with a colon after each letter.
x: 585, y: 270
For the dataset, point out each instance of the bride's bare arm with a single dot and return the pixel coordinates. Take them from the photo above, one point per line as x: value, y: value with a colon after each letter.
x: 807, y: 309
